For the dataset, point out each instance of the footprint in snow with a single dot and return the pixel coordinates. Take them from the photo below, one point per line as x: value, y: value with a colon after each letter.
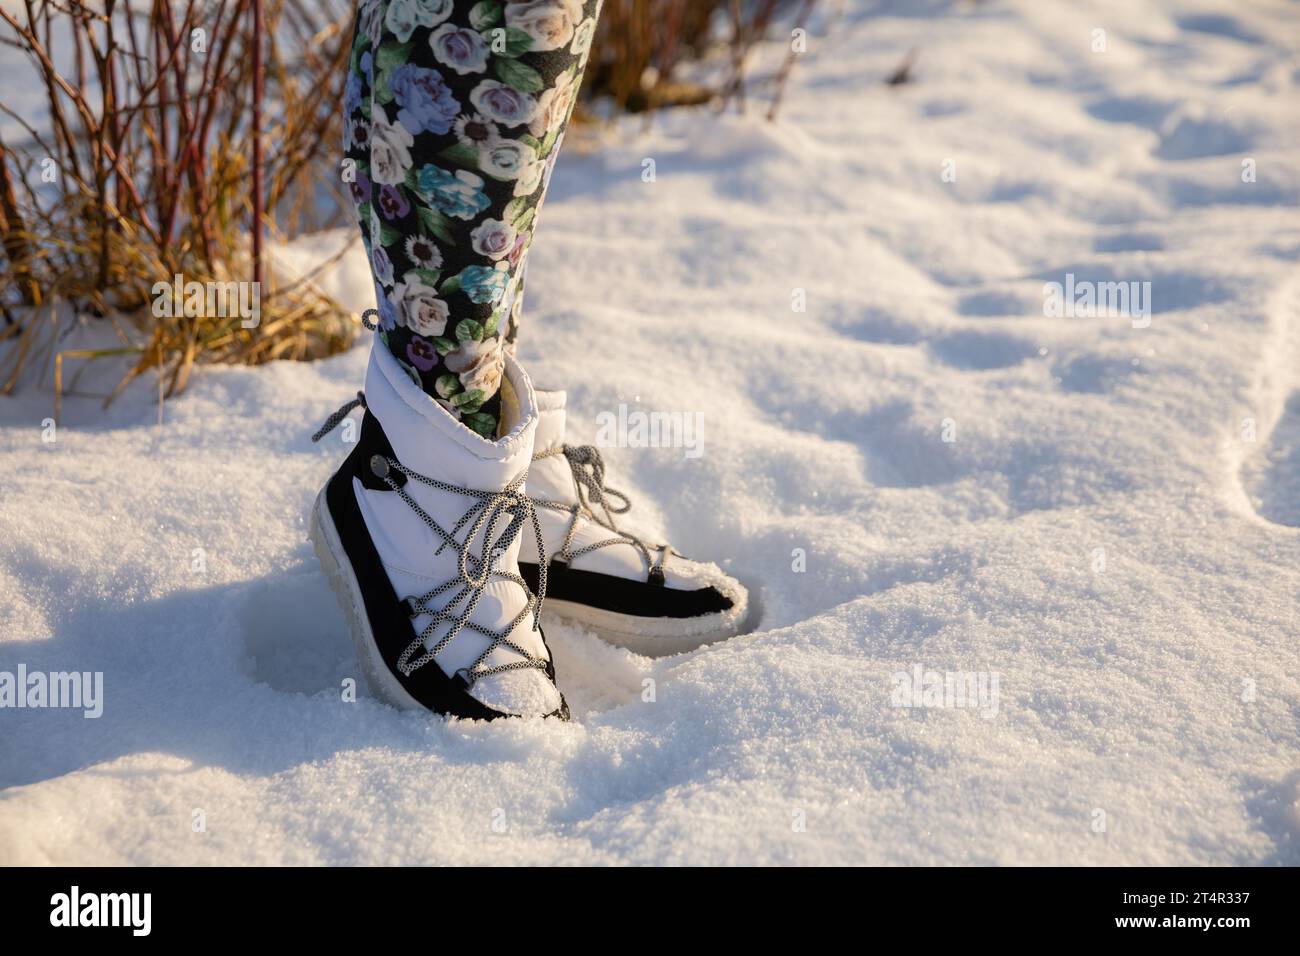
x: 1272, y: 477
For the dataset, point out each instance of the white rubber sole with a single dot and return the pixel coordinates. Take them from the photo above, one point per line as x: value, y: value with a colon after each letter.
x: 656, y: 636
x: 338, y: 571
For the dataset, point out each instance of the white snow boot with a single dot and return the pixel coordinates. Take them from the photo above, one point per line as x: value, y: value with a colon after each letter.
x: 645, y: 597
x: 419, y: 534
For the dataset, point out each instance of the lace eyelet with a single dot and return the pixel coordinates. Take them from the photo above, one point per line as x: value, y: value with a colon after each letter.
x: 379, y: 466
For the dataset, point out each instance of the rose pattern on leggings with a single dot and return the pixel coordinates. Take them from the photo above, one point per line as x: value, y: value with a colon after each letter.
x: 454, y: 112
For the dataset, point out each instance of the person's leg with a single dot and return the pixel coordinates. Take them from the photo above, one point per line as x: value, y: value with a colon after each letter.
x: 455, y: 112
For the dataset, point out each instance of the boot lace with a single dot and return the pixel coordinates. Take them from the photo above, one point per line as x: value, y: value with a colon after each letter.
x: 475, y: 570
x: 588, y: 469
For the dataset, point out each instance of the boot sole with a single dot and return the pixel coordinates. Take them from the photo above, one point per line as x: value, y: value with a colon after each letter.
x: 653, y: 637
x: 334, y: 562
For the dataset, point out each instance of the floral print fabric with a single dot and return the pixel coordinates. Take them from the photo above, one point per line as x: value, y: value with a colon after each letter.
x: 454, y: 115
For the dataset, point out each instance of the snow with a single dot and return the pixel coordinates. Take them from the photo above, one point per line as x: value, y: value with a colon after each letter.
x: 1114, y: 532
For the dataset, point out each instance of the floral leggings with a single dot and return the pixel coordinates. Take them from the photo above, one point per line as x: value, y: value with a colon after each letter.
x: 454, y: 115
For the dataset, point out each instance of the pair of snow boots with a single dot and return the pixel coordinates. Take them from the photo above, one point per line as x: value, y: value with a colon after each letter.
x: 441, y: 547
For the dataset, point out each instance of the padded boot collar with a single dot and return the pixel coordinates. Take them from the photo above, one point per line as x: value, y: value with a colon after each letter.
x: 429, y: 440
x: 550, y: 420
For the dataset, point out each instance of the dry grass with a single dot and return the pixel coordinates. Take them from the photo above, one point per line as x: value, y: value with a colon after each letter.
x: 642, y: 44
x: 142, y: 168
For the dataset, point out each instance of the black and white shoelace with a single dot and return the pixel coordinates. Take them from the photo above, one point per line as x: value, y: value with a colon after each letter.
x: 588, y: 468
x: 489, y: 509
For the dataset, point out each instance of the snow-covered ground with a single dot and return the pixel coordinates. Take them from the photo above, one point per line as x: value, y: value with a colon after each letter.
x: 1103, y: 515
